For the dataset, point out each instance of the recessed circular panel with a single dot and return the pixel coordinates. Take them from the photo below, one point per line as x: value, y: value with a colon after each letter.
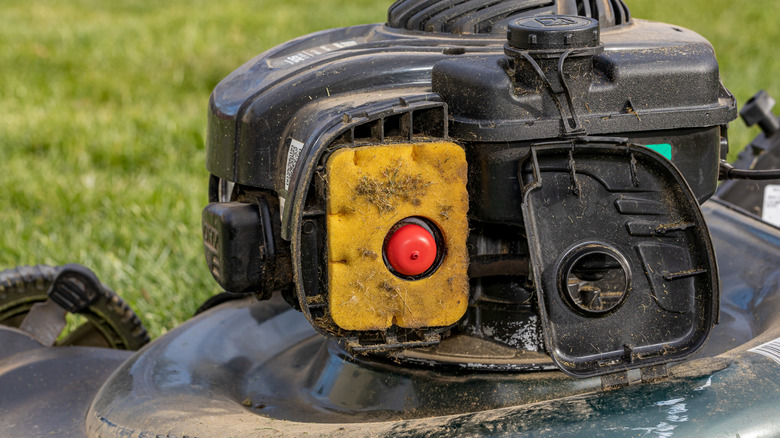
x: 594, y: 278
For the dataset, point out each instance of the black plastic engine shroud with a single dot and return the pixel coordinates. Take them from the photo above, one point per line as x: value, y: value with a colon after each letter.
x: 274, y: 121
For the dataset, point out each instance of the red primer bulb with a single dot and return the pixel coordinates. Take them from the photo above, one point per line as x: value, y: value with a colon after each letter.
x: 411, y: 250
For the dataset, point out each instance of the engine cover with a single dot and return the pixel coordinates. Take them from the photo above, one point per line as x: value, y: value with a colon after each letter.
x: 552, y: 155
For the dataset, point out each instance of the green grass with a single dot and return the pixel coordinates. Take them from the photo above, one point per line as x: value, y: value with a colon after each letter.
x: 745, y: 35
x: 104, y: 114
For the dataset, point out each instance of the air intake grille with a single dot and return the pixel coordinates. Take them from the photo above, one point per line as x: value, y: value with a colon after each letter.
x: 608, y: 12
x: 491, y: 16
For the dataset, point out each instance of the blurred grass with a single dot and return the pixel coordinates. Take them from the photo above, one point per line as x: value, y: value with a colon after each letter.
x: 102, y: 132
x: 746, y: 37
x: 104, y: 115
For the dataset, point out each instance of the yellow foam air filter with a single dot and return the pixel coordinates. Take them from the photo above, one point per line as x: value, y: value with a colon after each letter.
x: 372, y: 188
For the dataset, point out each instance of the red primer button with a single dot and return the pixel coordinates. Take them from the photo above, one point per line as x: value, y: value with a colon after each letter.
x: 411, y: 250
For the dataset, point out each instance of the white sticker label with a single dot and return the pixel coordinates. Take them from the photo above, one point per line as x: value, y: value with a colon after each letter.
x: 771, y: 349
x: 292, y: 160
x: 771, y: 210
x: 282, y: 201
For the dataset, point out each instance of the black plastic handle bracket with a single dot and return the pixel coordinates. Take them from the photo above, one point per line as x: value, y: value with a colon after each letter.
x: 75, y: 288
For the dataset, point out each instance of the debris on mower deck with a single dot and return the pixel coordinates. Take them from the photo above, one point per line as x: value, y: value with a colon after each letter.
x: 483, y: 217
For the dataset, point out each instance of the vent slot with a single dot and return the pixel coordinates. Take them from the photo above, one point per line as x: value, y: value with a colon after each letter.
x: 584, y: 9
x: 622, y: 14
x: 429, y: 123
x: 394, y: 126
x: 363, y: 131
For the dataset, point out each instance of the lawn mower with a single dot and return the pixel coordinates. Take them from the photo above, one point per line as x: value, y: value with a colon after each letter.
x: 482, y: 217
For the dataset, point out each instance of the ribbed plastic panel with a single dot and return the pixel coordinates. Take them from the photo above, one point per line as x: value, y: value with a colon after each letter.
x: 608, y: 12
x: 491, y: 16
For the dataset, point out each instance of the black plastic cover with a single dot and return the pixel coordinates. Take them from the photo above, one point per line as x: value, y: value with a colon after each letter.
x: 625, y: 270
x: 236, y: 242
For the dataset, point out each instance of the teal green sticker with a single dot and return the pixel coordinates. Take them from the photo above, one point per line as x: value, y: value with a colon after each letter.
x: 664, y: 149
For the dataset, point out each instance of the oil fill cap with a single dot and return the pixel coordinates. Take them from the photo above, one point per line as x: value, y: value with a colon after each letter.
x: 553, y: 32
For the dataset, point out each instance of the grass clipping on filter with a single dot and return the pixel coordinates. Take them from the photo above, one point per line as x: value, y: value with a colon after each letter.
x: 386, y: 192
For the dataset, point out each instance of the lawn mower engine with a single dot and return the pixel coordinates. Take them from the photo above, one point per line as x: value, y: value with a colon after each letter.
x: 482, y: 184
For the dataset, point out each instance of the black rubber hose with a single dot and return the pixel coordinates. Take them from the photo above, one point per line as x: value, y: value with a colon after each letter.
x: 727, y: 171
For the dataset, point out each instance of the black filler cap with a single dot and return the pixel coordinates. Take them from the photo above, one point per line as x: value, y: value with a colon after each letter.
x: 553, y: 32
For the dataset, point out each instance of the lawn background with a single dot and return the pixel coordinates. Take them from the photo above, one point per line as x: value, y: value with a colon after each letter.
x: 104, y: 115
